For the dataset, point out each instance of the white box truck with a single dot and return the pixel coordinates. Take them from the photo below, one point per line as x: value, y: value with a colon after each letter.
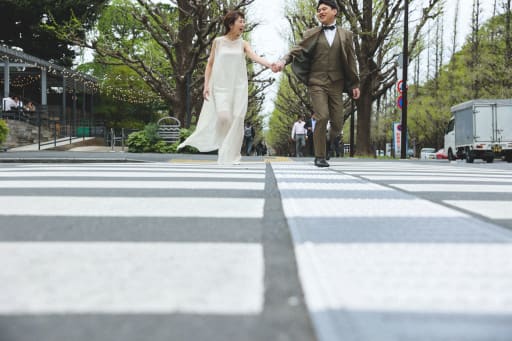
x: 480, y: 129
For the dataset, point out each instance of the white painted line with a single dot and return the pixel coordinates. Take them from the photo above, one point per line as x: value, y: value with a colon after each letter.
x: 119, y: 169
x: 434, y: 175
x: 367, y: 208
x: 306, y: 176
x: 131, y: 207
x: 332, y: 186
x: 131, y: 278
x: 117, y: 174
x: 489, y: 209
x: 420, y: 278
x: 452, y: 178
x: 227, y: 185
x: 454, y: 188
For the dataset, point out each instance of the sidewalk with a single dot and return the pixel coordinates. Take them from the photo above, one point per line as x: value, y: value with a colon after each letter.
x: 106, y: 154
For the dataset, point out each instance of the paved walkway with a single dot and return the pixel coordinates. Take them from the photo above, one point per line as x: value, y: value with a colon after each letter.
x: 376, y: 261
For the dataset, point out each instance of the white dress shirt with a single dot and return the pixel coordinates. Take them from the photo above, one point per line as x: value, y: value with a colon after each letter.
x: 9, y: 104
x: 329, y: 34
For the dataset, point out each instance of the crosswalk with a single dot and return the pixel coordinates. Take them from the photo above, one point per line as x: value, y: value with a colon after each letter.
x: 455, y: 185
x: 381, y: 261
x: 196, y: 251
x: 105, y: 249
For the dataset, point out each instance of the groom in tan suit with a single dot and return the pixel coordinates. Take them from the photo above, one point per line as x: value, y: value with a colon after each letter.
x: 325, y: 61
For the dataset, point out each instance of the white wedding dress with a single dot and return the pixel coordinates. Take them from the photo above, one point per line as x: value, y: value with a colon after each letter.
x: 221, y: 121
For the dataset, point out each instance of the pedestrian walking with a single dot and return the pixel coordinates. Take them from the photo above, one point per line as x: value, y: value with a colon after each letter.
x: 221, y: 121
x: 249, y: 134
x: 299, y: 136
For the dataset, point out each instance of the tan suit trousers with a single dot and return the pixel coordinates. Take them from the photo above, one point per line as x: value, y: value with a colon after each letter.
x: 327, y: 101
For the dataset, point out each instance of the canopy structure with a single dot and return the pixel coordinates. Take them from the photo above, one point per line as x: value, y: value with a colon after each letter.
x: 19, y: 68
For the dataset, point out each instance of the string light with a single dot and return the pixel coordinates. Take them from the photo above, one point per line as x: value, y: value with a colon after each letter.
x: 134, y: 95
x: 22, y: 81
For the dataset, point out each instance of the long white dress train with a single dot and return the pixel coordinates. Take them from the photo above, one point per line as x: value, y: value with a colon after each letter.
x: 221, y: 121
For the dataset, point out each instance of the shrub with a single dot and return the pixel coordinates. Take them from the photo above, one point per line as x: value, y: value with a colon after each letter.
x: 148, y: 141
x: 4, y: 131
x: 138, y: 142
x: 151, y: 131
x: 184, y: 134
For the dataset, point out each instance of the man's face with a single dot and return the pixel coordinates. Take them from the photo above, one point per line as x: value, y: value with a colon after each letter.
x: 326, y: 15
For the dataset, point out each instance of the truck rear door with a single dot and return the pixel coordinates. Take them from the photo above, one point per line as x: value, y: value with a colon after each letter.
x: 483, y: 123
x: 504, y: 123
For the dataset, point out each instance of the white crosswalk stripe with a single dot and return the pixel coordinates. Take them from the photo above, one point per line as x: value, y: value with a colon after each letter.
x: 45, y: 277
x: 452, y: 179
x: 377, y: 260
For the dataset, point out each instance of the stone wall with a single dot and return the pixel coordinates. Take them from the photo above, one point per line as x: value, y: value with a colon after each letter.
x: 22, y: 133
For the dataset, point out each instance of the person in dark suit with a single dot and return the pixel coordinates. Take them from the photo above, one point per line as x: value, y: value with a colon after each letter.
x: 310, y: 127
x: 325, y: 61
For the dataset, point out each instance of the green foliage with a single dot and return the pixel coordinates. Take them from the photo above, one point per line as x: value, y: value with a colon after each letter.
x: 138, y: 142
x: 460, y: 81
x: 151, y: 132
x: 4, y: 131
x: 156, y: 52
x: 148, y: 141
x: 281, y: 121
x: 20, y: 25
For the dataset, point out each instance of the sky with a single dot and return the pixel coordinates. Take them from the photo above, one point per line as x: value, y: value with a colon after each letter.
x: 269, y: 38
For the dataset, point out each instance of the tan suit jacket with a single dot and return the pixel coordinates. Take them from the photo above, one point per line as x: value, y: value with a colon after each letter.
x: 300, y: 57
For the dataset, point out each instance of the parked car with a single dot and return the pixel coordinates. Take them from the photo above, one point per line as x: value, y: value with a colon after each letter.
x: 427, y: 153
x: 441, y: 154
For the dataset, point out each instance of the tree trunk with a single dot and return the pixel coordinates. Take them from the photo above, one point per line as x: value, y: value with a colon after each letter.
x: 364, y: 111
x: 508, y: 39
x: 368, y: 73
x: 179, y: 103
x: 475, y: 48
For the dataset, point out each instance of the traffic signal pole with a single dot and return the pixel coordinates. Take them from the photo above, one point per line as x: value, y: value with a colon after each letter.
x: 403, y: 140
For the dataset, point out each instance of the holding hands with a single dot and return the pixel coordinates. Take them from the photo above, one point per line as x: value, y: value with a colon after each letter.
x: 278, y: 66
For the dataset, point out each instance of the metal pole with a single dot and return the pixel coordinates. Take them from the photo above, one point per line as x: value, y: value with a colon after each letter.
x: 74, y: 130
x: 189, y: 118
x: 44, y: 100
x: 39, y: 129
x: 403, y: 140
x: 91, y: 122
x: 83, y: 112
x: 63, y: 117
x: 112, y: 138
x: 352, y: 130
x: 6, y: 78
x: 122, y: 139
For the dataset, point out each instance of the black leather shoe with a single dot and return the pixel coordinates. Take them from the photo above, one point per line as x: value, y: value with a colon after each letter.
x: 320, y: 162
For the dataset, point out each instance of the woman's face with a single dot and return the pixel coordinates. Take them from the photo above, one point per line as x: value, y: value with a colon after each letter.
x: 326, y: 15
x: 238, y: 26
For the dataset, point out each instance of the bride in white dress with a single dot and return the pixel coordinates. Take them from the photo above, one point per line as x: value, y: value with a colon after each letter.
x: 221, y: 122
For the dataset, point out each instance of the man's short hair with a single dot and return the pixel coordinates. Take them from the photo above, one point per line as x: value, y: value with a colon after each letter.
x: 330, y: 3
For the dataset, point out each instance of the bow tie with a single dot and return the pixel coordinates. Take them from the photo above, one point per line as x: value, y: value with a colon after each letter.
x: 332, y: 27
